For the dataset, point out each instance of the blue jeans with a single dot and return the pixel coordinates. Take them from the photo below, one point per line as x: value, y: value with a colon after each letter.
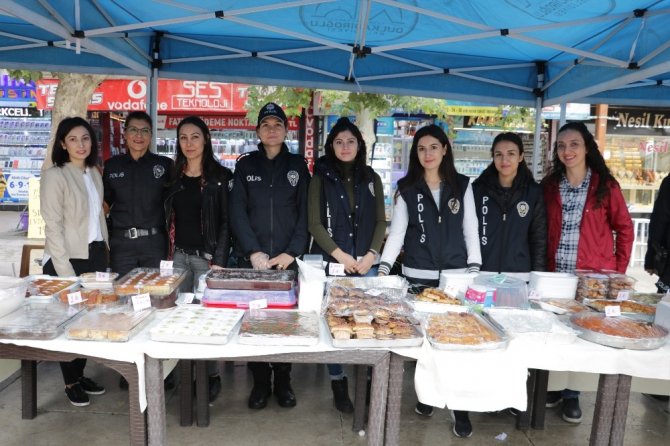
x: 195, y: 266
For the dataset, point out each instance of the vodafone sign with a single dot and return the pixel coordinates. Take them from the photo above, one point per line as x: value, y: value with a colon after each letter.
x: 173, y: 96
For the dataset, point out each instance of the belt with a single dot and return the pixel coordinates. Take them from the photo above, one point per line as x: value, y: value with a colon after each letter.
x: 134, y: 233
x: 194, y: 252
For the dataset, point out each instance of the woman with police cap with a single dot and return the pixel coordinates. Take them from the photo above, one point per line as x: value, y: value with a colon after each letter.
x: 268, y: 215
x: 435, y: 221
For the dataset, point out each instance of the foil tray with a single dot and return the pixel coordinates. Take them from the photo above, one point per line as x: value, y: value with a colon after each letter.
x: 484, y: 319
x: 618, y: 341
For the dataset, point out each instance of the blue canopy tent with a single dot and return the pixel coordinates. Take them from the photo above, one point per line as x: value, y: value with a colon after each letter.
x: 518, y: 52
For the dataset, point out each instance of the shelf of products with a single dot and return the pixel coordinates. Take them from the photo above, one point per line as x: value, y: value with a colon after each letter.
x: 472, y: 150
x: 382, y: 163
x: 23, y: 146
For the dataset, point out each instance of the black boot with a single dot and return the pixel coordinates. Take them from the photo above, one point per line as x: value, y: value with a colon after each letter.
x: 283, y: 390
x: 261, y: 390
x: 341, y: 395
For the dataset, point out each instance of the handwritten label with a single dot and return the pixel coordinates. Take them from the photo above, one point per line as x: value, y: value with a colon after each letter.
x: 141, y: 302
x: 258, y: 304
x: 451, y: 290
x: 623, y: 295
x: 74, y: 298
x: 188, y: 297
x: 612, y: 310
x: 102, y: 276
x: 374, y: 292
x: 336, y: 269
x: 534, y: 294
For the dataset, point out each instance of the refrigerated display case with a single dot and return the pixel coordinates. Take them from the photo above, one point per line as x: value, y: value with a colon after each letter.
x: 472, y: 150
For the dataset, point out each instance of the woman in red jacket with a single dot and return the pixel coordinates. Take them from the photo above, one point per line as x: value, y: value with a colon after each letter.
x: 588, y: 224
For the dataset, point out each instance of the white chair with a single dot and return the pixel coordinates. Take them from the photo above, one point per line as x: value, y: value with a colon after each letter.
x: 640, y: 236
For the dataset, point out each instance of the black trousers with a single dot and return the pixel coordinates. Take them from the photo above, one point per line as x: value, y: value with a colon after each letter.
x: 127, y: 253
x: 97, y: 261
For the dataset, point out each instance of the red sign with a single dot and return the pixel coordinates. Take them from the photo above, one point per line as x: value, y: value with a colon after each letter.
x: 236, y: 122
x: 310, y: 134
x: 173, y: 95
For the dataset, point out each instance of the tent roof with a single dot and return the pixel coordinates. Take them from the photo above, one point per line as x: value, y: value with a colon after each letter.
x: 613, y: 51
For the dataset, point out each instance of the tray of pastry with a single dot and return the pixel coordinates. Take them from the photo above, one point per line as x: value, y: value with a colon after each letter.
x: 154, y: 281
x: 628, y: 308
x: 250, y: 279
x: 364, y: 330
x: 647, y: 298
x: 92, y: 297
x: 383, y: 302
x: 561, y: 306
x: 114, y: 324
x: 433, y: 300
x: 47, y: 286
x: 98, y: 280
x: 465, y: 331
x: 279, y: 327
x: 391, y: 286
x: 619, y: 332
x: 38, y: 320
x: 198, y: 325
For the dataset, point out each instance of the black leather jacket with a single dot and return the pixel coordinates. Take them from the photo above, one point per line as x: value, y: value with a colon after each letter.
x: 215, y: 225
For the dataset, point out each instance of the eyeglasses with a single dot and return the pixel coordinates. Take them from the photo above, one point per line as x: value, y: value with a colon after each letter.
x: 144, y: 131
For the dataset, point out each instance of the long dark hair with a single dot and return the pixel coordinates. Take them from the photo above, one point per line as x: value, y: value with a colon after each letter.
x: 210, y: 166
x: 594, y: 160
x: 415, y: 170
x: 515, y: 139
x: 343, y: 124
x: 59, y: 155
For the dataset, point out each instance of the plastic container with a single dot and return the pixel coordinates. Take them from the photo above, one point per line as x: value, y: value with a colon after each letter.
x: 553, y: 285
x: 620, y: 282
x: 510, y: 291
x: 38, y: 320
x: 197, y: 325
x: 457, y: 281
x: 249, y: 279
x: 161, y: 285
x: 219, y: 298
x: 48, y: 286
x: 112, y: 325
x: 12, y: 294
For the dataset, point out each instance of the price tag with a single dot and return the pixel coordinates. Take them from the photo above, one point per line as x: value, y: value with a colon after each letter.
x: 336, y: 269
x: 451, y: 290
x: 374, y: 292
x: 534, y: 294
x: 102, y: 277
x: 258, y: 304
x: 141, y: 302
x: 74, y: 298
x: 623, y: 295
x: 188, y: 297
x: 166, y: 264
x: 612, y: 310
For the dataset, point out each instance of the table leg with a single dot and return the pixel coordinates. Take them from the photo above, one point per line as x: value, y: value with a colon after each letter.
x: 539, y: 399
x: 201, y: 394
x: 396, y: 371
x: 604, y: 410
x: 378, y: 394
x: 185, y: 392
x: 620, y: 411
x: 523, y: 418
x: 28, y: 389
x: 361, y: 378
x: 153, y: 370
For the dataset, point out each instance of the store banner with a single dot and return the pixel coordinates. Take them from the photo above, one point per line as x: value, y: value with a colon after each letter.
x: 216, y: 122
x: 15, y: 93
x: 462, y: 108
x: 173, y: 95
x: 14, y: 186
x: 638, y: 121
x: 35, y: 221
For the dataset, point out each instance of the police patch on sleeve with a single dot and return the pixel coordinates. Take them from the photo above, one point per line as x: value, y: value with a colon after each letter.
x: 293, y: 177
x: 522, y: 208
x: 158, y: 171
x: 454, y: 205
x: 371, y: 186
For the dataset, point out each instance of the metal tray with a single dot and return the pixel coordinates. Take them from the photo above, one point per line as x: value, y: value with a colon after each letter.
x: 592, y: 303
x: 249, y: 279
x: 279, y: 327
x: 483, y: 319
x: 618, y: 341
x: 414, y: 341
x: 197, y: 325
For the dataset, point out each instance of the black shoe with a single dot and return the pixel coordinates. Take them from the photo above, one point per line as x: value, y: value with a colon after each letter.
x: 258, y: 398
x: 123, y: 383
x: 554, y: 398
x: 214, y: 387
x: 661, y: 398
x: 341, y: 395
x: 77, y: 396
x: 423, y: 409
x: 285, y: 395
x: 571, y: 411
x: 90, y: 386
x: 462, y: 425
x: 513, y: 411
x: 168, y: 383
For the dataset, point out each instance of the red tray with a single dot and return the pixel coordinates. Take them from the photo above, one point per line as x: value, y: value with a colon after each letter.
x: 240, y: 299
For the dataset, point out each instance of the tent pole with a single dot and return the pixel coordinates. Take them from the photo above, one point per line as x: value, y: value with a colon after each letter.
x: 564, y: 112
x: 152, y: 95
x: 537, y: 172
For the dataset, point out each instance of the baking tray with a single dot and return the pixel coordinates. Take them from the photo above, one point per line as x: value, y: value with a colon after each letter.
x: 198, y: 325
x: 219, y: 298
x: 250, y: 279
x: 647, y: 343
x: 503, y: 338
x: 38, y: 320
x: 90, y: 281
x: 648, y: 317
x: 117, y: 324
x: 394, y: 286
x: 93, y: 297
x: 279, y: 327
x: 647, y: 298
x: 533, y: 325
x: 153, y: 281
x: 561, y: 306
x: 37, y: 287
x: 415, y: 340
